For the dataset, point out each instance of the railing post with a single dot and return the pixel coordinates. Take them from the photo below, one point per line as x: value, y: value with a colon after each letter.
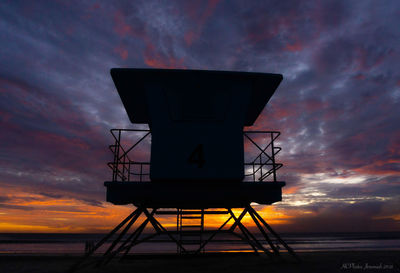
x: 123, y: 168
x: 273, y: 156
x: 117, y: 150
x: 115, y: 171
x: 261, y: 168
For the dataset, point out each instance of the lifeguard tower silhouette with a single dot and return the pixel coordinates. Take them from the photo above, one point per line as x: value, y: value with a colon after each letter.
x: 197, y: 165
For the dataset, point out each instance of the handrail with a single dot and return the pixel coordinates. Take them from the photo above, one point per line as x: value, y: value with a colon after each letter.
x: 258, y: 164
x: 123, y: 167
x: 123, y: 161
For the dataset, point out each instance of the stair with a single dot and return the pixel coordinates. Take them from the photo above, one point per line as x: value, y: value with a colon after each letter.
x: 190, y: 228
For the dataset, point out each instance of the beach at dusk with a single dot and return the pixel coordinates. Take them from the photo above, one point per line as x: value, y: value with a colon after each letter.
x: 200, y: 136
x: 341, y: 252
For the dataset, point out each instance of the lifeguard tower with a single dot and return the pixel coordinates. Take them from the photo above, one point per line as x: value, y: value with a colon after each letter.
x: 198, y: 165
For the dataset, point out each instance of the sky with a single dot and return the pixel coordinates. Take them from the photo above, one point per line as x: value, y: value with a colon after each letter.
x: 338, y: 106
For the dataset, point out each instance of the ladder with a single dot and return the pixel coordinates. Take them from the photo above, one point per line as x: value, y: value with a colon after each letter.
x: 190, y: 229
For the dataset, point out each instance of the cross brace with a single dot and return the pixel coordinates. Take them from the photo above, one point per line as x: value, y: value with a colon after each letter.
x: 124, y: 242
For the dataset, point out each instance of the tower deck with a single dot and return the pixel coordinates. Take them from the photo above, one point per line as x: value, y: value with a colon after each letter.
x: 193, y: 195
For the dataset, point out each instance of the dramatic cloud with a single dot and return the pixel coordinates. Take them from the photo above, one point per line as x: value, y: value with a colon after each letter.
x: 338, y: 107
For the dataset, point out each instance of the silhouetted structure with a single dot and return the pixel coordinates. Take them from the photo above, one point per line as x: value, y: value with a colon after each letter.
x: 197, y: 163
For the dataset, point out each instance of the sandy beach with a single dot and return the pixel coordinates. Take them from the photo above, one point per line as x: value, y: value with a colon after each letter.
x: 350, y: 261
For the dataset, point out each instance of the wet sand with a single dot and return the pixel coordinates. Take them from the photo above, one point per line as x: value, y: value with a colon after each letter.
x: 351, y: 261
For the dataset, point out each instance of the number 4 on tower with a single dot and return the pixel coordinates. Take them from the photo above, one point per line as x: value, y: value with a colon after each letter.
x: 197, y: 156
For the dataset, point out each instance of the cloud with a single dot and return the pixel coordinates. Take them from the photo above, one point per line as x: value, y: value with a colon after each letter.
x: 336, y: 217
x: 13, y: 207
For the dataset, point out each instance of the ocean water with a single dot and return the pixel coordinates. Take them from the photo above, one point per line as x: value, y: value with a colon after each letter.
x: 74, y: 244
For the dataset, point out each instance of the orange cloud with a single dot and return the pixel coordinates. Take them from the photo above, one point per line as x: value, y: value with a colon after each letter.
x: 57, y: 216
x: 122, y: 52
x: 157, y: 59
x: 120, y: 25
x: 28, y: 212
x: 291, y: 190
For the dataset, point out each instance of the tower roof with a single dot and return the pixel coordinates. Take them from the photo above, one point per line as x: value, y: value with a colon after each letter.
x: 133, y: 83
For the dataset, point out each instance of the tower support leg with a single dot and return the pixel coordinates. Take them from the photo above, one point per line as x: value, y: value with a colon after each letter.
x: 131, y: 240
x: 81, y: 263
x: 266, y: 237
x: 253, y: 212
x: 250, y: 238
x: 119, y: 245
